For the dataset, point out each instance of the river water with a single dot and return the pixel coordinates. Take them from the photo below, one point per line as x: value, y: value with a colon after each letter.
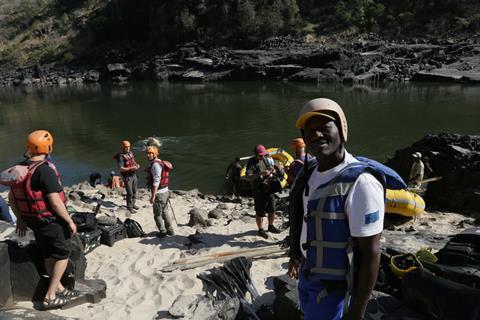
x: 202, y: 127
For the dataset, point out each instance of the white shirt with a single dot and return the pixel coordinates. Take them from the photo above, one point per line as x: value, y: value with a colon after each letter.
x: 364, y: 200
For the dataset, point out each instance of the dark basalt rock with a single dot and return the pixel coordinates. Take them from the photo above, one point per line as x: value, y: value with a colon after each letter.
x: 364, y: 61
x: 456, y: 158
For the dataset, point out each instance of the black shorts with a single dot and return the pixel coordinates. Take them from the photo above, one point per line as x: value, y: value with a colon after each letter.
x: 54, y: 239
x: 264, y: 203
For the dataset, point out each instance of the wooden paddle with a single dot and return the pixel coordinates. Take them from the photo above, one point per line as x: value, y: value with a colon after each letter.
x: 430, y: 179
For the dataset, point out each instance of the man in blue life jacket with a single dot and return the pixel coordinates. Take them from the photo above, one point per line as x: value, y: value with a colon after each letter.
x: 336, y: 218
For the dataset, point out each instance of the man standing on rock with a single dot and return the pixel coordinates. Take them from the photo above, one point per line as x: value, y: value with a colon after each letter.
x: 39, y: 204
x: 417, y: 171
x: 128, y: 168
x: 259, y: 169
x: 157, y: 180
x: 336, y: 218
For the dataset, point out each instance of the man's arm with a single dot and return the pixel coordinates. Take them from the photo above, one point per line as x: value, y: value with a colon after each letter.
x: 123, y: 169
x: 59, y: 207
x: 369, y: 260
x: 21, y: 227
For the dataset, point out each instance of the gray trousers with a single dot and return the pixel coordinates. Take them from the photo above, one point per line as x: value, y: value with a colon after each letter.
x: 160, y: 213
x: 131, y: 183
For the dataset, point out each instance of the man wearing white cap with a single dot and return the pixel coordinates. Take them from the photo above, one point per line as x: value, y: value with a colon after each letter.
x: 417, y: 171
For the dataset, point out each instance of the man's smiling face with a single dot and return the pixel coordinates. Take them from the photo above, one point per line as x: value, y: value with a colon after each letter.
x: 322, y: 138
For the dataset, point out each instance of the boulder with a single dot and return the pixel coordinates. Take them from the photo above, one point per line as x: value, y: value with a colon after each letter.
x: 198, y: 217
x: 454, y: 157
x: 216, y: 214
x: 6, y: 297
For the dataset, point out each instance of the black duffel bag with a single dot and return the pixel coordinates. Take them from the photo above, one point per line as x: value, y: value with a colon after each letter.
x: 438, y: 297
x: 134, y: 229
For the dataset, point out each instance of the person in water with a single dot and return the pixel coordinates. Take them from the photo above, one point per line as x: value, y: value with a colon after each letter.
x: 336, y: 216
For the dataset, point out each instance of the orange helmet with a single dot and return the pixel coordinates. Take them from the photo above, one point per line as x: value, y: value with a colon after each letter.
x: 327, y: 108
x: 152, y: 149
x: 40, y: 142
x: 125, y: 143
x: 298, y: 143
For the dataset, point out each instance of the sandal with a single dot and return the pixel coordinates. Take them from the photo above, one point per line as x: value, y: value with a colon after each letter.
x: 56, y: 302
x: 67, y: 293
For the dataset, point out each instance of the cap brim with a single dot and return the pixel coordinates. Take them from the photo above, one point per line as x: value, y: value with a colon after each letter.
x: 304, y: 118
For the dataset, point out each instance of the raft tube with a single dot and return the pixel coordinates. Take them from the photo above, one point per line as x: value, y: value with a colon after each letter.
x: 405, y: 203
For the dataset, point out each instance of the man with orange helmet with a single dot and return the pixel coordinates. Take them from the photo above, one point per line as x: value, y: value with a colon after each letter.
x: 157, y: 181
x: 298, y: 145
x: 39, y: 204
x: 336, y: 215
x: 128, y: 168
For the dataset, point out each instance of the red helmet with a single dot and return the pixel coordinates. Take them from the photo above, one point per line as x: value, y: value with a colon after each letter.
x: 40, y: 142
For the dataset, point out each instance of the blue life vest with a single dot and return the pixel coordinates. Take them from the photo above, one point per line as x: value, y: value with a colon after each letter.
x: 330, y: 249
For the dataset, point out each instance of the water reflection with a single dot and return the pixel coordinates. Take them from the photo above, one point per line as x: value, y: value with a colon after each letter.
x: 204, y: 126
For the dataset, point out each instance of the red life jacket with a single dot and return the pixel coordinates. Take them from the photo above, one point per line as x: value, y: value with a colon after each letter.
x: 166, y: 167
x: 128, y: 159
x: 33, y: 205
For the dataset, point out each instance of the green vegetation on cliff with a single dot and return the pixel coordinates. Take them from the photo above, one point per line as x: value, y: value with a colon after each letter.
x: 41, y: 31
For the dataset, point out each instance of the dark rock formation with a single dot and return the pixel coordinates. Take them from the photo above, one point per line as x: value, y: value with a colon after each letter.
x: 363, y: 61
x: 456, y: 158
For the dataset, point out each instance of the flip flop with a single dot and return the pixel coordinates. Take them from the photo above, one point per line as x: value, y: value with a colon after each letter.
x: 67, y: 293
x: 56, y: 302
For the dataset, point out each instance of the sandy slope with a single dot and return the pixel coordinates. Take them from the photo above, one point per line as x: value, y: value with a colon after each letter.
x: 136, y: 288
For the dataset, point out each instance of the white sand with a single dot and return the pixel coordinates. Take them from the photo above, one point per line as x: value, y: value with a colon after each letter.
x: 137, y: 289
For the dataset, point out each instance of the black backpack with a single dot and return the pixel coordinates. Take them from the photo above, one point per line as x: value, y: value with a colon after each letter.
x: 134, y: 229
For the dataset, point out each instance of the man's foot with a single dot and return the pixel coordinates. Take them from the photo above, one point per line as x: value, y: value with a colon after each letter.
x: 54, y: 303
x: 262, y: 233
x: 171, y: 232
x: 136, y: 207
x: 67, y: 293
x: 273, y: 229
x: 132, y: 210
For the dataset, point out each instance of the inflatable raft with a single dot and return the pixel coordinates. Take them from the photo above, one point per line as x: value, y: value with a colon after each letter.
x: 405, y: 203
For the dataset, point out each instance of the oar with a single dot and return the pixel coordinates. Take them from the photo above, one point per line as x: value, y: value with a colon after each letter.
x: 430, y: 179
x: 219, y: 257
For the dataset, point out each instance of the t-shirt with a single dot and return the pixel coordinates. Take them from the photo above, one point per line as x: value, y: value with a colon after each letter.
x: 365, y: 199
x: 416, y: 172
x: 44, y: 179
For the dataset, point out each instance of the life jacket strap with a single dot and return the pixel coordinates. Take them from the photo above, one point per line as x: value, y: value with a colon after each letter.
x: 328, y: 215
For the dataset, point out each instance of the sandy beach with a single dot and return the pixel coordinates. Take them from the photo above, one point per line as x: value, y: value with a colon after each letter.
x: 136, y: 286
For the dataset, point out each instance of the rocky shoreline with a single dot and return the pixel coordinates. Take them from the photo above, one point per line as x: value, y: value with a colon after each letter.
x: 355, y: 62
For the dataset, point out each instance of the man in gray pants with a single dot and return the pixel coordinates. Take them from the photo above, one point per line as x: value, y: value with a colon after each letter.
x: 157, y: 180
x: 128, y: 167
